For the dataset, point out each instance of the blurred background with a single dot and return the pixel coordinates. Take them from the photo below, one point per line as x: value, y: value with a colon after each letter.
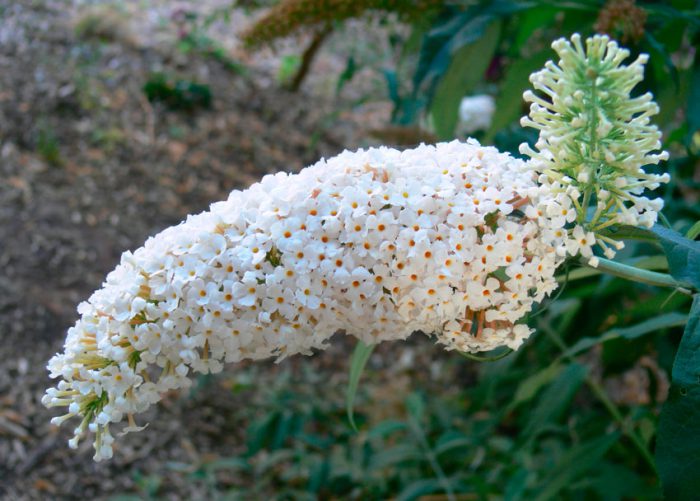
x: 118, y: 118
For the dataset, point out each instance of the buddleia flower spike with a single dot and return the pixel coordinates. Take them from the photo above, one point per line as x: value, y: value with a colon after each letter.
x: 595, y: 138
x: 377, y: 243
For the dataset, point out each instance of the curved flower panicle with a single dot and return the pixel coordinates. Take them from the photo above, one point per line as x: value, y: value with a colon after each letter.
x: 455, y: 239
x: 594, y: 137
x: 287, y: 17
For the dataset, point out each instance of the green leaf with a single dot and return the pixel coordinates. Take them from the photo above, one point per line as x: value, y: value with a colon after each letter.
x: 694, y: 230
x: 455, y: 28
x: 289, y: 65
x: 529, y: 388
x: 259, y: 432
x: 615, y: 482
x: 555, y: 399
x: 405, y: 108
x: 665, y: 321
x: 683, y: 255
x: 662, y: 10
x: 282, y: 430
x: 357, y: 365
x: 232, y: 463
x: 693, y: 109
x: 510, y: 97
x: 437, y: 45
x: 573, y: 464
x: 318, y: 475
x: 415, y: 405
x: 659, y: 51
x: 395, y: 455
x: 386, y: 428
x: 466, y: 69
x: 625, y: 232
x: 678, y: 441
x: 515, y: 488
x: 451, y: 440
x: 347, y: 74
x: 419, y: 488
x: 274, y: 458
x: 536, y: 18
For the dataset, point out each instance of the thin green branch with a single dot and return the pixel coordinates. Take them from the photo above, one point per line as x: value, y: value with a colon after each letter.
x: 493, y: 358
x: 603, y: 397
x: 664, y: 220
x: 656, y: 263
x: 693, y: 232
x: 639, y: 275
x: 432, y: 458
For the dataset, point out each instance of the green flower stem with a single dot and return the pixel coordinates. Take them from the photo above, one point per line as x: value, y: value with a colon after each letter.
x: 415, y: 427
x: 664, y: 220
x: 693, y: 232
x: 596, y: 228
x: 644, y: 263
x: 583, y: 207
x: 614, y: 411
x: 600, y: 211
x: 592, y: 110
x: 639, y: 275
x: 609, y: 405
x: 493, y: 358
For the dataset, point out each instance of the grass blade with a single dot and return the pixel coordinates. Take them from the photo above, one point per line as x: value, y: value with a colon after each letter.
x: 357, y: 366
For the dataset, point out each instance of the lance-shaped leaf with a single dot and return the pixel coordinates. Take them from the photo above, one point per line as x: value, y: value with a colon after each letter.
x: 678, y: 442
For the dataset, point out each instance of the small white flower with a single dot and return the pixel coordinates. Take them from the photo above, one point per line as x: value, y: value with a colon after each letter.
x: 581, y: 242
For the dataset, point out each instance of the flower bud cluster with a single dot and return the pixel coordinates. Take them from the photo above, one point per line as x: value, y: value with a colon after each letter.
x: 456, y: 240
x: 289, y: 17
x: 594, y: 138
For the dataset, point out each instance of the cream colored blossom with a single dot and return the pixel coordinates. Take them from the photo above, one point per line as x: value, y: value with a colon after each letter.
x: 595, y: 139
x: 453, y: 240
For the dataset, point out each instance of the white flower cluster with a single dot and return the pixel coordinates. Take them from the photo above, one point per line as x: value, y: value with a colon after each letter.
x: 594, y: 138
x: 455, y: 239
x: 475, y: 113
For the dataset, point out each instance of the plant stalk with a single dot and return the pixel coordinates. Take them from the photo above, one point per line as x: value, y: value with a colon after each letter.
x: 609, y: 405
x: 639, y: 275
x: 432, y: 459
x: 308, y: 58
